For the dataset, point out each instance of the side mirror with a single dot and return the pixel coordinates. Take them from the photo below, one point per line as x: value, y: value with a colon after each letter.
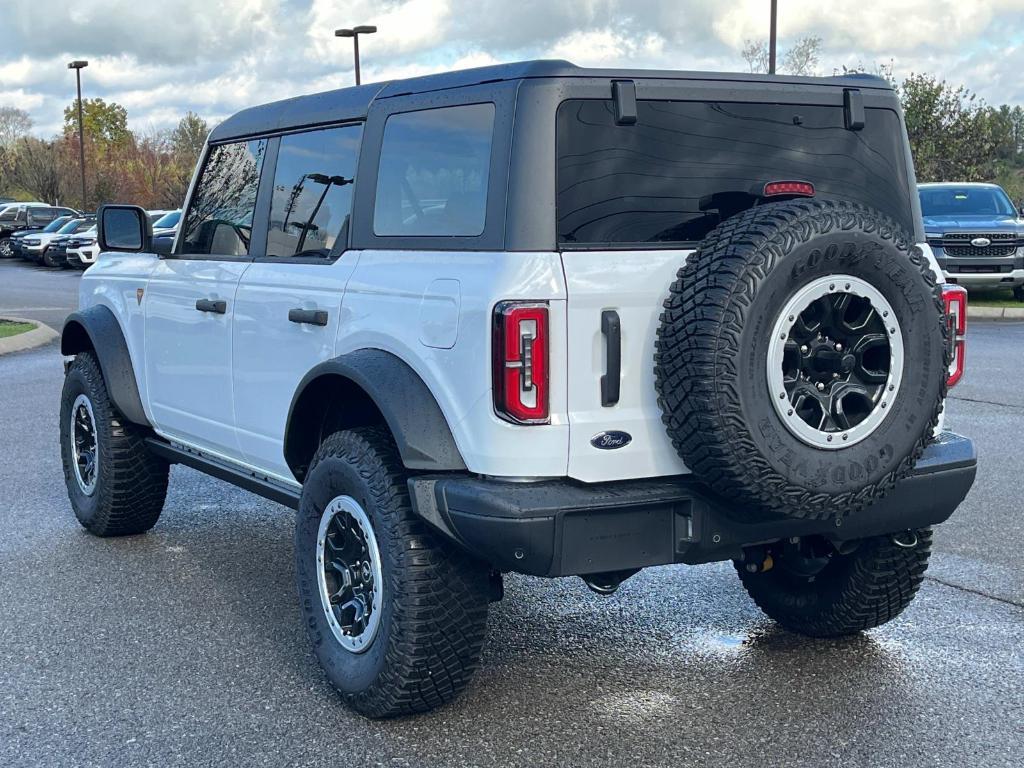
x: 123, y: 228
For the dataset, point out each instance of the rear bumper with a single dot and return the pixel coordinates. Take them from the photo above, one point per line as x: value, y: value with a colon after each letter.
x: 562, y: 527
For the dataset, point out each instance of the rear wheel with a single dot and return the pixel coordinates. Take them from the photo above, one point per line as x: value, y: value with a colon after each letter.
x: 397, y: 617
x: 810, y: 587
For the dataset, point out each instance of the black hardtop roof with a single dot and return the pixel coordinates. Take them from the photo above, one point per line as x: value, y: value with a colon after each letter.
x: 354, y: 103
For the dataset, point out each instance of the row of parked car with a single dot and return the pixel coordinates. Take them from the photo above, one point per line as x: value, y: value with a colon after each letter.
x: 63, y: 237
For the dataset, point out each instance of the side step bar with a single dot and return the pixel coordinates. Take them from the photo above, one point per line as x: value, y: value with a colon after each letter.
x: 254, y: 482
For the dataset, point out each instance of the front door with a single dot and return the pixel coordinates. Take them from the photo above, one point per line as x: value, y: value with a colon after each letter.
x: 189, y: 303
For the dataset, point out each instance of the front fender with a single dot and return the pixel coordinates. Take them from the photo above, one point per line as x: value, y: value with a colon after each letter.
x: 97, y: 329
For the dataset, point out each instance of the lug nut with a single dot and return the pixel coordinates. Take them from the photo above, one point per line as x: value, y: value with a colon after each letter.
x: 803, y: 348
x: 820, y: 386
x: 839, y: 347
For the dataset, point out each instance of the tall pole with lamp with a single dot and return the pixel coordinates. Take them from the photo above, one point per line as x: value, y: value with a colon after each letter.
x: 78, y: 66
x: 354, y: 33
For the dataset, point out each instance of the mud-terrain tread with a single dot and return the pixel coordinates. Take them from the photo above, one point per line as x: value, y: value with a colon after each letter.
x: 704, y: 315
x: 440, y: 595
x: 874, y: 584
x: 132, y: 485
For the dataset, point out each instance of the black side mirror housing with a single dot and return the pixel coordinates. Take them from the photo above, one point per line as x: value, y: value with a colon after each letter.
x: 124, y: 228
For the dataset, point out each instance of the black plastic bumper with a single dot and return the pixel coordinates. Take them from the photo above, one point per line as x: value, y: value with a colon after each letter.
x: 563, y: 528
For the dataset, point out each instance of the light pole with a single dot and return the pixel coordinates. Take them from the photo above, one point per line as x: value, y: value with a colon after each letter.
x: 354, y: 33
x: 78, y: 66
x: 772, y: 36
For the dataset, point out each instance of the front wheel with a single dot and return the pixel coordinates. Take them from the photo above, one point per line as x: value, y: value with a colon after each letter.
x: 1018, y: 292
x: 397, y: 617
x: 5, y: 248
x: 812, y: 588
x: 49, y: 260
x: 116, y: 485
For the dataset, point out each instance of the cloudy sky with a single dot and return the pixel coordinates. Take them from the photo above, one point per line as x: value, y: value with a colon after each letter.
x: 160, y: 59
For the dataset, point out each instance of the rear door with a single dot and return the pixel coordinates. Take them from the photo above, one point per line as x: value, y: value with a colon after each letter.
x: 634, y: 200
x: 189, y: 303
x: 288, y: 303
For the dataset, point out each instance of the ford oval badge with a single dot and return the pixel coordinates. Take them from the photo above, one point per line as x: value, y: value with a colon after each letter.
x: 981, y: 242
x: 609, y: 441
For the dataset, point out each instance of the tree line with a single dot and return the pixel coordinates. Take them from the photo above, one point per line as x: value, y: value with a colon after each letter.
x: 150, y: 168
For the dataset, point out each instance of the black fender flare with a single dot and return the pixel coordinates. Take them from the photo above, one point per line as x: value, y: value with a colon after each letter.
x: 97, y: 329
x: 419, y: 428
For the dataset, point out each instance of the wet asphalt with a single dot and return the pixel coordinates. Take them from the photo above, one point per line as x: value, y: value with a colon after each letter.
x: 184, y: 646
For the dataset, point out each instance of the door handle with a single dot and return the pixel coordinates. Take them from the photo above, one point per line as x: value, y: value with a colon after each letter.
x: 217, y: 306
x: 308, y: 316
x: 612, y: 332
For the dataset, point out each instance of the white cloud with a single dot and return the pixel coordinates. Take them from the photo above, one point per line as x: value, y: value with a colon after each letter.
x: 218, y: 56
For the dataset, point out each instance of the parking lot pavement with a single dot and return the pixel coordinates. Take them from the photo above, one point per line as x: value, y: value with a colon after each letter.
x: 184, y: 646
x: 36, y: 292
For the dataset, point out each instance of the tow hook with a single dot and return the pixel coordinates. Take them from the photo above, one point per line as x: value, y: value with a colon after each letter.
x: 905, y: 539
x: 605, y: 584
x: 757, y: 560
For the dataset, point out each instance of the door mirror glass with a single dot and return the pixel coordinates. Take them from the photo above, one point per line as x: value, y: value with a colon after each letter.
x: 123, y: 228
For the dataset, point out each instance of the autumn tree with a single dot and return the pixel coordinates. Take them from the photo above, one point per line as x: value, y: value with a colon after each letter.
x: 35, y: 168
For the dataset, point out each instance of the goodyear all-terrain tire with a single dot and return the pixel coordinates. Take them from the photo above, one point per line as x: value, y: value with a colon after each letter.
x: 829, y: 594
x: 116, y: 485
x: 801, y: 359
x: 397, y: 616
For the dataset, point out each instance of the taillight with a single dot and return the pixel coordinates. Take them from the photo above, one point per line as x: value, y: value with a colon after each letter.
x: 521, y: 362
x: 800, y: 188
x: 954, y: 298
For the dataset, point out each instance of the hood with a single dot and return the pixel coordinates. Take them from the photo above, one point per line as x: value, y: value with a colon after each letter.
x: 973, y: 224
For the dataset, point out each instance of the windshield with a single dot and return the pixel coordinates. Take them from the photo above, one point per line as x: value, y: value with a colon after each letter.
x: 56, y: 224
x: 167, y: 220
x: 965, y: 201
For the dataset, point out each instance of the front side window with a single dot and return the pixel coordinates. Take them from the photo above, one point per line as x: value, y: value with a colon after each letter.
x: 219, y: 219
x: 434, y: 166
x: 686, y: 166
x: 312, y: 198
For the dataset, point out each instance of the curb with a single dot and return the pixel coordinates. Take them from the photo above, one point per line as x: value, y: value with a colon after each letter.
x: 994, y: 313
x: 41, y: 334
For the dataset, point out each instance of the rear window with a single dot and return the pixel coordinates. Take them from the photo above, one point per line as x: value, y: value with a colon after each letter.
x: 685, y: 166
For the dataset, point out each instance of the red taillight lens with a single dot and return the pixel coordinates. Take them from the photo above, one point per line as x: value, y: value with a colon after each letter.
x: 802, y: 188
x: 521, y: 362
x: 954, y: 298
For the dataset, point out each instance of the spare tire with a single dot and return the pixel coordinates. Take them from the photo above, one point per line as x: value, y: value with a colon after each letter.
x: 801, y: 359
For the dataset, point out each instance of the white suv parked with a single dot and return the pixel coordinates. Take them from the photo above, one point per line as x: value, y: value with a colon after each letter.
x: 540, y: 319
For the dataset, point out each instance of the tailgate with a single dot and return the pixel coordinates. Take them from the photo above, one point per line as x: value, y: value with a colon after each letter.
x: 633, y: 284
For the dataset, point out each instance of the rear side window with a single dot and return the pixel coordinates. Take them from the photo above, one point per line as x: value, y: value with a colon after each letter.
x: 219, y: 219
x: 38, y: 217
x: 686, y: 166
x: 433, y: 173
x: 312, y: 198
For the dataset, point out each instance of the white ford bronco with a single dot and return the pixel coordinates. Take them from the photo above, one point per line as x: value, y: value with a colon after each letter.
x: 539, y: 319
